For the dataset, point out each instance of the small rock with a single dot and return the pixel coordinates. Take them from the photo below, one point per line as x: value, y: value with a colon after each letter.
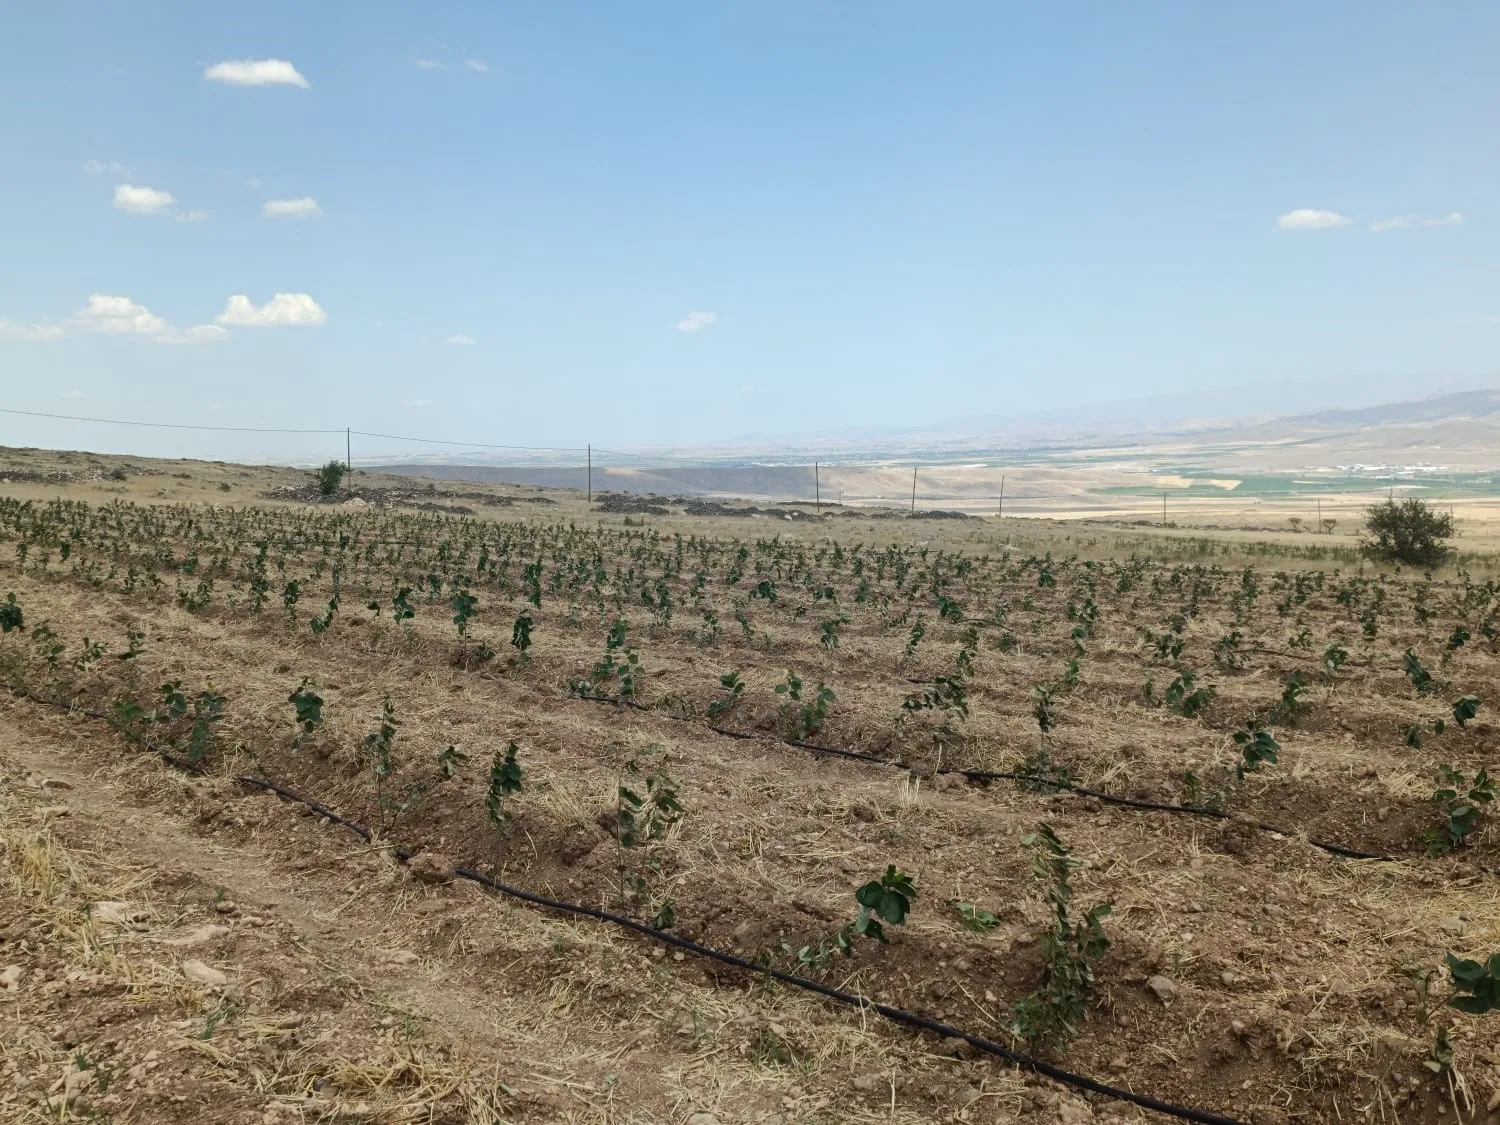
x: 11, y: 977
x: 1452, y: 925
x: 401, y: 957
x: 1238, y: 1028
x: 868, y: 1083
x: 702, y: 1119
x: 203, y: 934
x: 751, y: 934
x: 1494, y: 1103
x: 116, y: 913
x: 1164, y: 987
x: 56, y: 783
x: 1228, y: 980
x: 1119, y: 1063
x: 226, y: 907
x: 55, y: 810
x: 430, y: 868
x: 204, y: 974
x: 1382, y: 812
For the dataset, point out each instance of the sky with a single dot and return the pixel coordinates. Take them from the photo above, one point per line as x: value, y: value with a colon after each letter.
x: 679, y: 224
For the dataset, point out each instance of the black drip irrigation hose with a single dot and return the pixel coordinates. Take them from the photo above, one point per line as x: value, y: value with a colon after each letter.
x: 896, y: 1015
x: 185, y: 765
x: 1007, y: 775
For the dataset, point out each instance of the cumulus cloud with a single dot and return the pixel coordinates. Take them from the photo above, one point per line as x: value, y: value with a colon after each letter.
x: 193, y: 216
x: 1307, y: 218
x: 462, y: 338
x: 256, y: 72
x: 304, y: 208
x: 429, y: 64
x: 697, y: 321
x: 120, y: 316
x: 281, y: 309
x: 142, y: 200
x: 1409, y: 222
x: 35, y: 333
x: 478, y: 66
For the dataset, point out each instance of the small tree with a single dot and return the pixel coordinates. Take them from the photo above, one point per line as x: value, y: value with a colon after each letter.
x: 330, y: 477
x: 1409, y: 532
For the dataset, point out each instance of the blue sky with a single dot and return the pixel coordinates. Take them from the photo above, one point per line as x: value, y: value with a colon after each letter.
x: 684, y: 223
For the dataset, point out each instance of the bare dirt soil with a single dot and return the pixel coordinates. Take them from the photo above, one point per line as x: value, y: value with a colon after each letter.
x: 178, y: 946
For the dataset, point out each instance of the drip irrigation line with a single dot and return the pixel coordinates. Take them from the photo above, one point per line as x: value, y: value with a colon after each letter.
x: 183, y: 764
x: 895, y: 1015
x: 1007, y: 775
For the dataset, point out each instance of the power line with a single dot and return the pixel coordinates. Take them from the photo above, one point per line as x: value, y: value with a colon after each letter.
x: 166, y: 425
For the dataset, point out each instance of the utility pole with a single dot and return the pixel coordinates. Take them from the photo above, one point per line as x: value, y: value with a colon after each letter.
x: 1164, y: 507
x: 348, y: 456
x: 914, y: 490
x: 591, y: 472
x: 1000, y: 511
x: 817, y: 490
x: 1320, y: 513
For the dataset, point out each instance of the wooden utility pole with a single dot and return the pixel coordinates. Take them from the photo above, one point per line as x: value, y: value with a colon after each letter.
x: 914, y: 490
x: 591, y: 473
x: 1000, y: 511
x: 817, y: 490
x: 348, y: 455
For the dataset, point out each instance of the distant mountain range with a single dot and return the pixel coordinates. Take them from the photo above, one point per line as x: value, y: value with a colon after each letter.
x: 1459, y: 429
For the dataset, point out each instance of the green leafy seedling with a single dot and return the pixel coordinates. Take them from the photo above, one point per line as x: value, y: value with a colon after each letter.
x: 1476, y: 984
x: 888, y: 898
x: 975, y: 918
x: 1465, y: 708
x: 506, y: 776
x: 308, y: 705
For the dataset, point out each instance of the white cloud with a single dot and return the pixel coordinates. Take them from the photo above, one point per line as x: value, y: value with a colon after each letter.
x: 99, y: 167
x: 304, y: 208
x: 1408, y: 222
x: 75, y: 394
x: 462, y: 338
x: 696, y: 321
x: 120, y: 316
x: 428, y: 64
x: 255, y: 72
x: 142, y: 200
x: 193, y: 216
x: 35, y: 333
x: 478, y: 66
x: 1306, y: 218
x: 281, y: 309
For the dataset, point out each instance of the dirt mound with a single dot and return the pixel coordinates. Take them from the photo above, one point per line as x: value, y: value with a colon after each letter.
x: 623, y: 504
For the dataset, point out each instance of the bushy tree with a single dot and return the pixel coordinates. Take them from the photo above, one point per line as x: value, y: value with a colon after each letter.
x: 330, y: 477
x: 1410, y: 531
